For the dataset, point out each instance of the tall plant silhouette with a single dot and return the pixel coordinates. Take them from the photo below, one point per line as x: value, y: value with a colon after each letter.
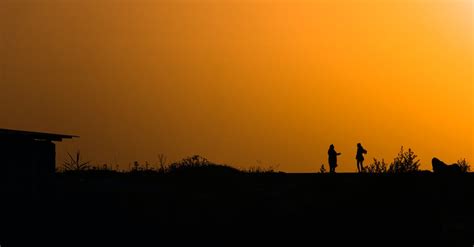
x: 162, y: 162
x: 75, y: 163
x: 464, y: 165
x: 405, y: 162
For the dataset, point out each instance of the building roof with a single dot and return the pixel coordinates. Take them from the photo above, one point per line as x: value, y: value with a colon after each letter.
x: 34, y: 135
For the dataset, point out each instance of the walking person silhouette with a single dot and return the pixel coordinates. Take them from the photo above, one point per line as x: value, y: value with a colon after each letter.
x: 360, y: 157
x: 332, y: 159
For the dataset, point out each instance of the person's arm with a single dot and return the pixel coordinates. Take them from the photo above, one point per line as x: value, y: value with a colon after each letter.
x: 338, y: 153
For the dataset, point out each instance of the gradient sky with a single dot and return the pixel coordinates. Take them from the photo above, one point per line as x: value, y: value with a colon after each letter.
x: 241, y: 81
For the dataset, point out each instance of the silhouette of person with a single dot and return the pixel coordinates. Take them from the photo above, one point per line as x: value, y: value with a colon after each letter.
x: 360, y: 157
x: 332, y: 159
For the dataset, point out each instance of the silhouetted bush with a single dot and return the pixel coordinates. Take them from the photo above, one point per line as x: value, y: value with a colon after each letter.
x: 138, y: 168
x: 162, y: 163
x: 405, y: 162
x: 322, y: 169
x: 258, y: 169
x: 191, y: 165
x: 104, y: 167
x: 199, y: 165
x: 261, y: 168
x: 75, y: 163
x: 377, y: 166
x: 464, y: 165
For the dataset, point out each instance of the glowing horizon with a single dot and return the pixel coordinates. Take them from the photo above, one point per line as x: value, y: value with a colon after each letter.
x: 241, y: 81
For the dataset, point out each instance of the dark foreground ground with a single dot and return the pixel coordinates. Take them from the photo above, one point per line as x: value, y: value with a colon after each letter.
x: 243, y: 210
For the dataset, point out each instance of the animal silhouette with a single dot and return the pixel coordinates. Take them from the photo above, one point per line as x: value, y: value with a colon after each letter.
x: 441, y: 167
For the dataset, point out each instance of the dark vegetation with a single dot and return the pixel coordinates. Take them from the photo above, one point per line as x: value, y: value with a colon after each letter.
x: 464, y: 165
x: 195, y: 202
x: 406, y: 162
x: 196, y: 165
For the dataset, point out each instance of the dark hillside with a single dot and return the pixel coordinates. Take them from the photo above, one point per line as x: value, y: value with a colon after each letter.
x: 176, y: 208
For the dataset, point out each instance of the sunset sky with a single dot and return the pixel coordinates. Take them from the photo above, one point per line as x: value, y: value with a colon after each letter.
x: 241, y: 81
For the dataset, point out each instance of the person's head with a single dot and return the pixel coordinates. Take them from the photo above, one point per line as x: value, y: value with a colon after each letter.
x: 359, y: 145
x: 332, y: 146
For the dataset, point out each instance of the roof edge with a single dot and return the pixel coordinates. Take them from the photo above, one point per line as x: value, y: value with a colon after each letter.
x: 36, y: 135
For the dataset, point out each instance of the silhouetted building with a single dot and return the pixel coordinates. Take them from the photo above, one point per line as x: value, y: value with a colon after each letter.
x: 27, y: 158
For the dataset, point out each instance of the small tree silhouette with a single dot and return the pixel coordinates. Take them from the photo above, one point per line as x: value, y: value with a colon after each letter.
x: 464, y: 165
x: 75, y: 163
x: 405, y: 162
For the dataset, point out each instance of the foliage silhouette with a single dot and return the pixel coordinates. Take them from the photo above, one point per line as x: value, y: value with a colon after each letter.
x: 76, y: 163
x: 199, y: 165
x: 405, y: 162
x: 322, y: 169
x: 377, y: 166
x: 258, y: 169
x: 191, y: 165
x: 464, y: 165
x: 162, y: 162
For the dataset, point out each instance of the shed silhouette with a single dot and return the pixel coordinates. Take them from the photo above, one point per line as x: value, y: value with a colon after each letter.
x: 27, y: 158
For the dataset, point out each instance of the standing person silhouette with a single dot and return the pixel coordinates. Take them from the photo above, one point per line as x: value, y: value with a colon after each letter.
x: 332, y: 159
x: 360, y: 157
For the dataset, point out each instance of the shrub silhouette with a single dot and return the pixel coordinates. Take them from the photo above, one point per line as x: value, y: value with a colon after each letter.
x: 464, y: 165
x: 137, y: 167
x: 258, y: 169
x: 405, y: 162
x: 199, y: 165
x: 191, y: 165
x: 322, y: 169
x: 377, y: 166
x: 75, y: 163
x: 162, y: 162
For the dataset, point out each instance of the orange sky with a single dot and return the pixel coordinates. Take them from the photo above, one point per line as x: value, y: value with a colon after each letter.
x: 241, y: 81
